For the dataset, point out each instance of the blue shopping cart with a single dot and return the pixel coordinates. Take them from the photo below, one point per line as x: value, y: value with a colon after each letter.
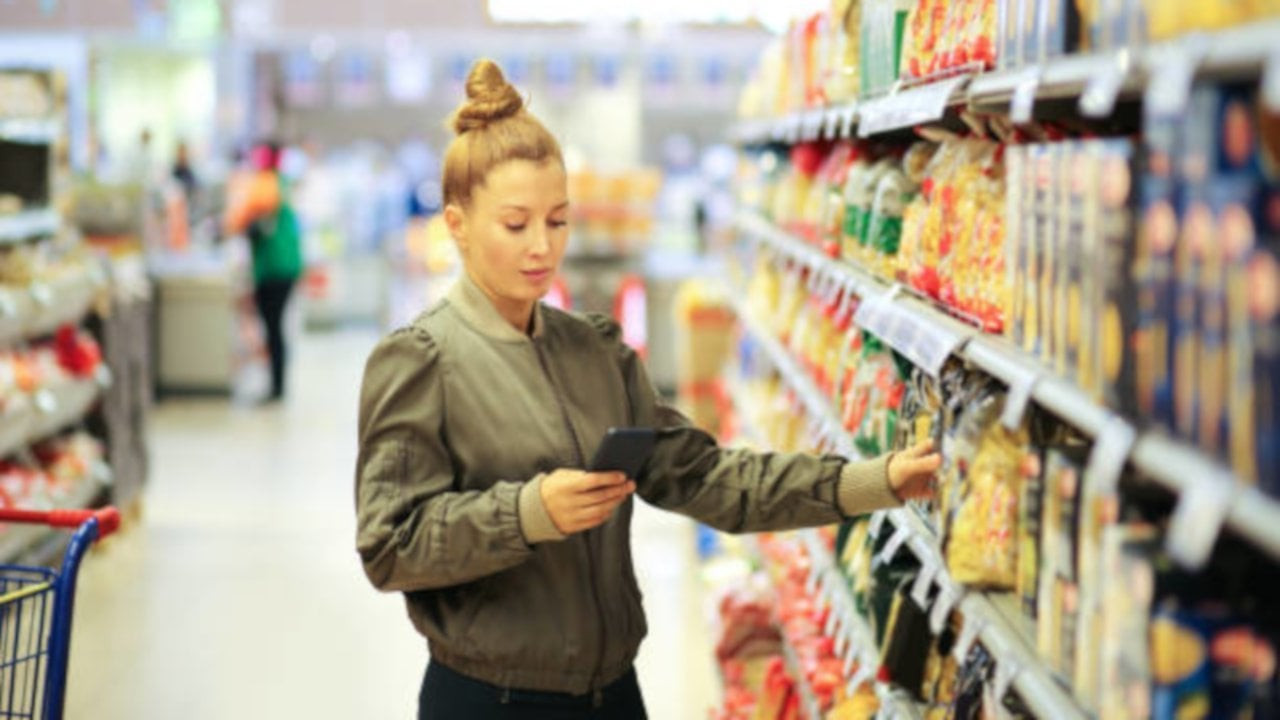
x: 36, y: 607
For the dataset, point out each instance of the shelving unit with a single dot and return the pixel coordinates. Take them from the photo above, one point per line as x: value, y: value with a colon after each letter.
x: 928, y: 335
x: 1096, y: 79
x: 32, y: 132
x: 42, y: 307
x: 25, y: 225
x: 17, y: 541
x: 997, y: 633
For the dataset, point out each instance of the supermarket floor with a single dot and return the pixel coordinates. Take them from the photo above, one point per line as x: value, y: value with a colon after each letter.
x: 238, y: 593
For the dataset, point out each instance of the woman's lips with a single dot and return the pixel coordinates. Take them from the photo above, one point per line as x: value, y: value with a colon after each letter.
x: 536, y: 275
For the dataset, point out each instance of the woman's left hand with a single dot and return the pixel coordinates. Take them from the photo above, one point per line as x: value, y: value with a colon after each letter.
x: 911, y: 471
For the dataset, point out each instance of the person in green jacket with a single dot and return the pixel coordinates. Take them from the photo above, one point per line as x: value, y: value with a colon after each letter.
x: 260, y: 206
x: 475, y: 424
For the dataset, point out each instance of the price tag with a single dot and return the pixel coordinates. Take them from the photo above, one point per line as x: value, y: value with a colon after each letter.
x: 1198, y: 520
x: 1109, y: 454
x: 1015, y: 402
x: 1173, y: 68
x: 896, y: 541
x: 877, y: 522
x: 863, y: 674
x: 848, y: 121
x: 924, y: 583
x: 969, y: 634
x: 907, y: 108
x: 1103, y: 87
x: 849, y: 660
x: 1026, y: 84
x: 942, y: 608
x: 1007, y: 671
x: 813, y: 124
x: 795, y: 123
x: 831, y: 124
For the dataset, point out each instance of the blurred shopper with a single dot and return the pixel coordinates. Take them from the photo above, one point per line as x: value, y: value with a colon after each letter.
x: 183, y: 174
x: 259, y: 206
x: 476, y: 422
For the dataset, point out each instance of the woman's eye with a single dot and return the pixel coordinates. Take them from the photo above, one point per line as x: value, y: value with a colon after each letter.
x: 557, y: 223
x: 515, y: 228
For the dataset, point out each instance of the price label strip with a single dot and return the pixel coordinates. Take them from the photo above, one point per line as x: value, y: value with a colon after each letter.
x: 909, y: 108
x: 1016, y: 401
x: 891, y: 548
x: 1007, y: 671
x: 864, y: 673
x: 1102, y: 89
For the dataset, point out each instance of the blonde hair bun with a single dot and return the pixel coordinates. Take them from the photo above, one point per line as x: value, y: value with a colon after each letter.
x: 490, y: 98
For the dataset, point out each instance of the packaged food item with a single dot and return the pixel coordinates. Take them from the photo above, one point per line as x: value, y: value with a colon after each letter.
x: 1010, y: 54
x: 1015, y: 173
x: 906, y: 642
x: 856, y: 190
x: 1084, y: 238
x: 1124, y: 673
x: 1117, y: 353
x: 1030, y: 509
x: 1058, y: 599
x: 846, y: 36
x: 878, y: 390
x: 883, y: 23
x: 982, y: 544
x: 1153, y: 270
x: 1059, y: 23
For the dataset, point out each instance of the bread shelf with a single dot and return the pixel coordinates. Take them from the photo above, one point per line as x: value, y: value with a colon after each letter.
x: 31, y: 418
x: 43, y: 306
x: 1096, y: 80
x: 916, y: 329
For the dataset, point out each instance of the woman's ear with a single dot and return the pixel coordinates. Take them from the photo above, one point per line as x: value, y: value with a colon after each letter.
x: 456, y: 220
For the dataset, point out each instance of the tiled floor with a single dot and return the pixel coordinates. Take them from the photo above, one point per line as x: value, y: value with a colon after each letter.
x: 239, y: 593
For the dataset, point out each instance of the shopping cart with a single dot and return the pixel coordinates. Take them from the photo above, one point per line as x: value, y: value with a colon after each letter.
x: 35, y: 615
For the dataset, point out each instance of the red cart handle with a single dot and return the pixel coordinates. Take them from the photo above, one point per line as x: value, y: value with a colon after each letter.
x: 108, y: 518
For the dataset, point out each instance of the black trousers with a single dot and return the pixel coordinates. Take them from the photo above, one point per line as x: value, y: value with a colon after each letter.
x: 449, y: 695
x: 271, y: 296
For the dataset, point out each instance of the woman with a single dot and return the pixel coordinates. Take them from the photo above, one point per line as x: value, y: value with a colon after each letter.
x: 475, y: 422
x: 260, y: 207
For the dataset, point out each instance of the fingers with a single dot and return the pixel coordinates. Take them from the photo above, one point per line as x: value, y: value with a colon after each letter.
x: 919, y: 450
x: 595, y: 481
x: 606, y: 495
x: 588, y: 517
x: 924, y: 465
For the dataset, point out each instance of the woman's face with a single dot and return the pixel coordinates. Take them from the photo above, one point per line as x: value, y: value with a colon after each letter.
x: 514, y: 233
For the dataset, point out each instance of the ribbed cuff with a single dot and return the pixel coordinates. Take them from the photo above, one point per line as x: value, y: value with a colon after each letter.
x: 864, y: 487
x: 535, y: 523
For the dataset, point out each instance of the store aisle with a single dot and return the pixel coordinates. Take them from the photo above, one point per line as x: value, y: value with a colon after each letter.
x: 239, y: 593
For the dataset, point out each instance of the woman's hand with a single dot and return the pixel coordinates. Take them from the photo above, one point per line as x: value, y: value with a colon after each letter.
x: 578, y: 501
x: 911, y: 471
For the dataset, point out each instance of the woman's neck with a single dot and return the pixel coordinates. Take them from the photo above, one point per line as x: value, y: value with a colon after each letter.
x: 518, y: 313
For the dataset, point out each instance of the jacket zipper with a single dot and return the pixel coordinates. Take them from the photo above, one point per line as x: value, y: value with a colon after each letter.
x: 580, y: 456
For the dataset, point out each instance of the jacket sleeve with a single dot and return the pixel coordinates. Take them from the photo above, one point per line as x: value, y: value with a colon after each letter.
x: 414, y: 531
x: 737, y: 490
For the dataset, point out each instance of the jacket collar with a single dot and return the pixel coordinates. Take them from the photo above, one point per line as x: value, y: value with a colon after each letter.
x: 478, y: 311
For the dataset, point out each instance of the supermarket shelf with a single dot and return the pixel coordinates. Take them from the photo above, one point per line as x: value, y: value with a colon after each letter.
x: 927, y: 336
x: 42, y: 307
x: 1097, y: 79
x: 36, y: 417
x: 1032, y: 680
x: 29, y: 224
x: 18, y: 540
x: 43, y: 131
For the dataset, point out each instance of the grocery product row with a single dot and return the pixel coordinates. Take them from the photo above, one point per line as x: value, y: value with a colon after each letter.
x: 887, y: 65
x: 1092, y: 259
x: 1054, y: 577
x: 68, y: 471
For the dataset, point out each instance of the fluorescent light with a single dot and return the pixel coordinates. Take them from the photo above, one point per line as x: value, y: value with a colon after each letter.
x: 651, y: 11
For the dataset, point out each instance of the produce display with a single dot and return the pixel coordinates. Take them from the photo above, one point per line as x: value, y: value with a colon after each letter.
x: 51, y: 475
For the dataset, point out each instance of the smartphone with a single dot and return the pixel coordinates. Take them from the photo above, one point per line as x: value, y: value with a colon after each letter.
x: 624, y: 450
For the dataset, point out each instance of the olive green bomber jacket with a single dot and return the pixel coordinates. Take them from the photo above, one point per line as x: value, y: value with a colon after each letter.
x: 460, y: 418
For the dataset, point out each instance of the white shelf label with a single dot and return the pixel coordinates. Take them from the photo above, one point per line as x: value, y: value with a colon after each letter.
x: 1109, y: 454
x: 942, y: 608
x: 860, y: 677
x: 1025, y: 85
x: 1173, y: 67
x: 1007, y: 671
x: 1102, y: 89
x: 1198, y: 519
x: 924, y: 583
x: 1021, y: 387
x: 969, y: 634
x: 877, y: 523
x: 908, y: 108
x: 891, y: 548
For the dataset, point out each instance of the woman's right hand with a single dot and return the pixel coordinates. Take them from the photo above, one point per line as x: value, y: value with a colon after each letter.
x: 578, y: 501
